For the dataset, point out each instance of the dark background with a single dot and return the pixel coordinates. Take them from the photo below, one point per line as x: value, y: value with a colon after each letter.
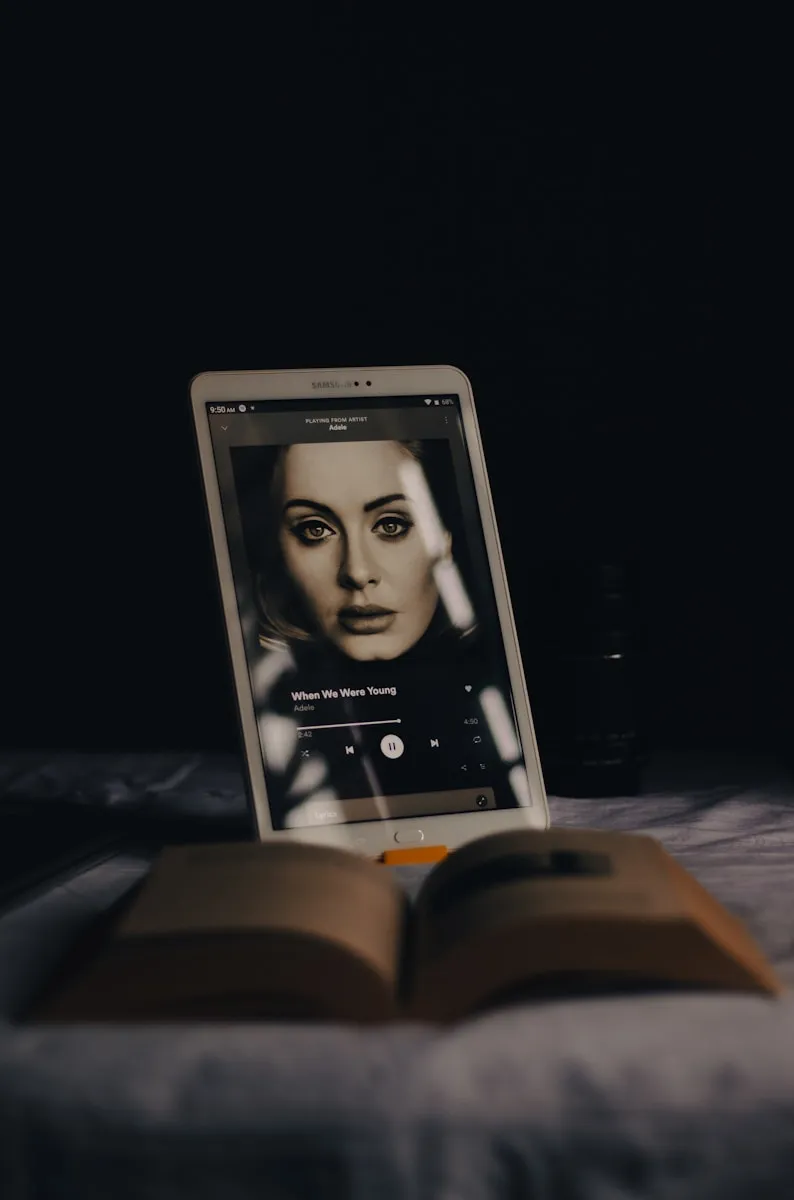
x: 569, y: 218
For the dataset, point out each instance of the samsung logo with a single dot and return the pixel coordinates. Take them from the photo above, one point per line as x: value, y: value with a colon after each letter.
x: 330, y: 383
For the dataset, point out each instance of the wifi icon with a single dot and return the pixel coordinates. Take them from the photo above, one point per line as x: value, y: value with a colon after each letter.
x: 428, y: 400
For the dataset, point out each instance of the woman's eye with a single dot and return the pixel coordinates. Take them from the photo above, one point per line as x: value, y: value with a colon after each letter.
x: 313, y: 531
x: 393, y: 527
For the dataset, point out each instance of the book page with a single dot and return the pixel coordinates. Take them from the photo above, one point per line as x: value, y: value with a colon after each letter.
x: 238, y: 931
x: 519, y: 910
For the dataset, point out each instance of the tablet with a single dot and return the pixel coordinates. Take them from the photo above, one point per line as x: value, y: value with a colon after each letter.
x: 376, y: 667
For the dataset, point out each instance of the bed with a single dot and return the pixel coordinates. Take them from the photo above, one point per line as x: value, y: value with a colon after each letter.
x: 679, y: 1096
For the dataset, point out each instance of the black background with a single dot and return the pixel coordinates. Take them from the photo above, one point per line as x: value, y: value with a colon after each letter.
x: 572, y: 218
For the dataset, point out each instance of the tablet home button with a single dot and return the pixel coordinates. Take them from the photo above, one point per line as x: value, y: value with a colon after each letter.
x: 409, y: 837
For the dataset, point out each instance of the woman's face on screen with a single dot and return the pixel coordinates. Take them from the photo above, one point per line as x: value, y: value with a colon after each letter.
x: 350, y: 542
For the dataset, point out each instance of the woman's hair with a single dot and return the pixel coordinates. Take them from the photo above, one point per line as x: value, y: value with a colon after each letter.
x: 283, y: 619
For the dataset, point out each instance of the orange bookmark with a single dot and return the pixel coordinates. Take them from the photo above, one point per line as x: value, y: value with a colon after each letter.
x: 416, y: 854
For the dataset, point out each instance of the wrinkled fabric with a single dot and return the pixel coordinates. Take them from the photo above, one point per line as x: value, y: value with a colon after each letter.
x: 679, y: 1096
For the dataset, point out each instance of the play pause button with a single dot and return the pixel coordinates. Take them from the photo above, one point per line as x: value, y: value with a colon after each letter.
x: 391, y: 745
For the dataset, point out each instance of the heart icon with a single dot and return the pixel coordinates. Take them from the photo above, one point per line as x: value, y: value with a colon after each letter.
x: 428, y: 401
x: 468, y: 687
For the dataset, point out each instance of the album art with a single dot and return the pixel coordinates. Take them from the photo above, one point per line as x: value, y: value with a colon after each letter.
x: 356, y: 549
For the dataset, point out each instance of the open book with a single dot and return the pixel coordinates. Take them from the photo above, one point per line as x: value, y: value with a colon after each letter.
x: 295, y: 931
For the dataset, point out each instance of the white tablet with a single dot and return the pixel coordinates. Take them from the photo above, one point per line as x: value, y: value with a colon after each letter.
x: 378, y: 677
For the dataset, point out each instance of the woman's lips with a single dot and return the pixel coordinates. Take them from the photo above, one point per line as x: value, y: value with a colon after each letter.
x: 364, y: 619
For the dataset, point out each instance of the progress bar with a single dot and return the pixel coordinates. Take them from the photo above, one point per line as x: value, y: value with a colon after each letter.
x: 351, y: 724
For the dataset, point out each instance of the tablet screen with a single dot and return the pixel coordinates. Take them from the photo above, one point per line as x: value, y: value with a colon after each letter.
x: 374, y: 651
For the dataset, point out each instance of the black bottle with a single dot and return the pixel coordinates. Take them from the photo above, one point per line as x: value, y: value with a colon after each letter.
x: 588, y: 655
